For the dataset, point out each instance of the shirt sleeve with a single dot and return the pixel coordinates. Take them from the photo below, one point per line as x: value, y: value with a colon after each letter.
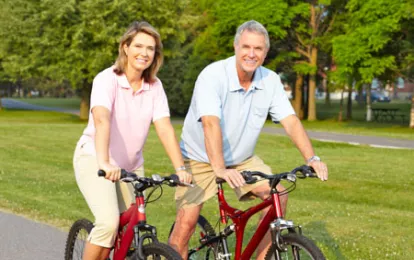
x: 280, y: 106
x: 207, y: 96
x: 161, y: 108
x: 103, y: 92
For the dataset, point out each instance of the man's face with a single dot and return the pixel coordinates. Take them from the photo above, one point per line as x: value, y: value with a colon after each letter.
x: 250, y: 52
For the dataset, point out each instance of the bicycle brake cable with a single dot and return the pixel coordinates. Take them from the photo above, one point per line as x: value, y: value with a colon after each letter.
x: 147, y: 201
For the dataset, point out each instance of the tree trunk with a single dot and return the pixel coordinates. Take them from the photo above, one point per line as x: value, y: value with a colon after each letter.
x: 84, y: 105
x: 412, y: 111
x: 327, y: 92
x: 341, y: 105
x: 369, y: 108
x: 360, y: 99
x: 297, y: 105
x: 349, y: 104
x: 312, y: 87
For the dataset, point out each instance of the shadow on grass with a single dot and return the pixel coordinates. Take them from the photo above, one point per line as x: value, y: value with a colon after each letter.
x: 325, y: 241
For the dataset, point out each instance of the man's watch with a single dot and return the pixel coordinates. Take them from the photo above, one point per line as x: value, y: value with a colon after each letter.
x: 181, y: 168
x: 313, y: 158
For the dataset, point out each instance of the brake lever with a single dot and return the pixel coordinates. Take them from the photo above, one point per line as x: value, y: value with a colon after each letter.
x: 127, y: 179
x: 307, y: 172
x: 247, y: 176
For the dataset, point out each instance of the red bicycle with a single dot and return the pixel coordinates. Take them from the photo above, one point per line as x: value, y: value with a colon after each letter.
x: 136, y: 239
x: 287, y: 239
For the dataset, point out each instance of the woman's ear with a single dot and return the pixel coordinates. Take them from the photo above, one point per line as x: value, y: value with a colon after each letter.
x: 125, y: 49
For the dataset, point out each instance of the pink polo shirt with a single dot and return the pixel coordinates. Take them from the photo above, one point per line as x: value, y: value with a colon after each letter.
x: 131, y: 116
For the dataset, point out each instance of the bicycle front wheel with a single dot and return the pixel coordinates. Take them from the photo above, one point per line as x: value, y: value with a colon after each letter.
x: 298, y: 247
x: 157, y: 251
x: 76, y: 240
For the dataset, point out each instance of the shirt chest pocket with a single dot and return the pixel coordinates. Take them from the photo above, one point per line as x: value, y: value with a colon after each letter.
x: 257, y: 117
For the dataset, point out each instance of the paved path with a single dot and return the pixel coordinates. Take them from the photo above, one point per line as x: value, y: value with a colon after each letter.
x: 23, y: 239
x: 373, y: 141
x: 15, y: 104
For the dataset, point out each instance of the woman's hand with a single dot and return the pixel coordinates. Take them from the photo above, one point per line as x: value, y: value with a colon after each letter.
x: 113, y: 173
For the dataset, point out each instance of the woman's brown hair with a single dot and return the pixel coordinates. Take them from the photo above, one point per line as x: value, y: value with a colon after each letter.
x: 150, y: 73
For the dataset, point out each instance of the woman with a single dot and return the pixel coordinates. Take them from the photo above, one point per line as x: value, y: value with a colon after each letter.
x: 125, y: 99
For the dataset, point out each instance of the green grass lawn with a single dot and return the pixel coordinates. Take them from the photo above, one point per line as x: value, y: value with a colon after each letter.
x: 364, y: 211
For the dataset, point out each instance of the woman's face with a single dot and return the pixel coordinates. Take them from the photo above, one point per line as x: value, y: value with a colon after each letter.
x: 140, y: 53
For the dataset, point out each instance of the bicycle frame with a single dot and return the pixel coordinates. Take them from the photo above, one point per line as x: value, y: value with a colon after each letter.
x: 135, y: 215
x: 240, y: 219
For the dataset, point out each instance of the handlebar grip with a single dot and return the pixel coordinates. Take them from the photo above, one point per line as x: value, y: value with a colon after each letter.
x: 102, y: 173
x: 174, y: 180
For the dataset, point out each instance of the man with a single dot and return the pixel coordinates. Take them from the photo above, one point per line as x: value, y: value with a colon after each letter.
x: 231, y: 101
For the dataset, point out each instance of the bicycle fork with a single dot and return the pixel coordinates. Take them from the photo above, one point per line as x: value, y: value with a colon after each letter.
x: 276, y: 228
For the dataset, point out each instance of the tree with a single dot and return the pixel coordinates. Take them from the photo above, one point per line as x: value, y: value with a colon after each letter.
x: 309, y: 33
x: 73, y: 40
x: 359, y: 51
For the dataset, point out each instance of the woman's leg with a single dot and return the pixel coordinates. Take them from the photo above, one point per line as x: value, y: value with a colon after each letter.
x: 101, y: 197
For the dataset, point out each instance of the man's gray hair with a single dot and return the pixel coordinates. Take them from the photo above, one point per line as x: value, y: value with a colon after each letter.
x: 252, y: 26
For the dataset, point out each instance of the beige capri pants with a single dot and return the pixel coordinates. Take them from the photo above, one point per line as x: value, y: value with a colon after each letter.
x: 105, y: 199
x: 205, y: 182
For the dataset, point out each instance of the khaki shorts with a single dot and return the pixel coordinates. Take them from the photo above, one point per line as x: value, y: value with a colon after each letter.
x: 205, y: 182
x: 105, y: 199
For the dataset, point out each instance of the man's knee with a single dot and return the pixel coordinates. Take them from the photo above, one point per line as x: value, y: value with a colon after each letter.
x: 186, y: 220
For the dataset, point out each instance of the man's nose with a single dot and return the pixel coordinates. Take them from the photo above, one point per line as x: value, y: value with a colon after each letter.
x: 251, y: 52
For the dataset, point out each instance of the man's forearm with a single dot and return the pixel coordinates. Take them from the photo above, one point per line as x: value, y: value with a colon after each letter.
x: 214, y: 144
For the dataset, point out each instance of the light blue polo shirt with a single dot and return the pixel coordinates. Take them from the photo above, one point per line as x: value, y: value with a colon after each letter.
x: 242, y: 113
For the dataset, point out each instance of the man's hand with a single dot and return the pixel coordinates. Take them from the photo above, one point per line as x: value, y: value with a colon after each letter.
x: 185, y: 177
x: 321, y: 169
x: 232, y: 177
x: 113, y: 173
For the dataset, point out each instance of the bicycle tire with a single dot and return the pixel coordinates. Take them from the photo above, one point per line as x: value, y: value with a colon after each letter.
x: 157, y: 251
x: 296, y: 244
x: 211, y: 251
x: 75, y: 243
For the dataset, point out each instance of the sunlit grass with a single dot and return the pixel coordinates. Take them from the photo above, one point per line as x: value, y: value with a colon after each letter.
x: 364, y: 211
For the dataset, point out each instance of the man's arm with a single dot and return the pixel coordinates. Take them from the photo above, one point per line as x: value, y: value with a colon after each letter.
x: 297, y: 134
x: 214, y: 146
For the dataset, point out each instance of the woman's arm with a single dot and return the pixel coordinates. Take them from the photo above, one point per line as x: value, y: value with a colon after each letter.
x: 101, y: 118
x: 166, y: 134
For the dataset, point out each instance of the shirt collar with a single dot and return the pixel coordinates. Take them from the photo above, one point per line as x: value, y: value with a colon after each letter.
x: 123, y: 82
x: 257, y: 82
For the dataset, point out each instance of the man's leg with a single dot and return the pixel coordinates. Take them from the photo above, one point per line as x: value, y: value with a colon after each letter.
x: 263, y: 192
x: 184, y: 227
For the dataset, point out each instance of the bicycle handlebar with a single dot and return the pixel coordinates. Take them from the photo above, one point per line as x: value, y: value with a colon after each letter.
x: 301, y: 172
x: 155, y: 179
